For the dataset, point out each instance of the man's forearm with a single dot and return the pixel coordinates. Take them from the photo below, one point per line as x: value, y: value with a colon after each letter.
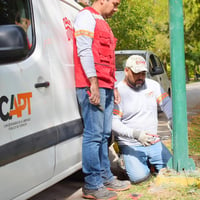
x: 88, y: 66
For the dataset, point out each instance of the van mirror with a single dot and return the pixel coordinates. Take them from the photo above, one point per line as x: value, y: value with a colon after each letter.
x: 156, y: 71
x: 13, y: 43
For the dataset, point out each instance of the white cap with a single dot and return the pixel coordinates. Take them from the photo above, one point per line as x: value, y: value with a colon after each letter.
x: 136, y: 63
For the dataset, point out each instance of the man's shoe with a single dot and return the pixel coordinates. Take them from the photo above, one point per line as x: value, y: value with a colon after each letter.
x: 99, y: 194
x: 117, y: 185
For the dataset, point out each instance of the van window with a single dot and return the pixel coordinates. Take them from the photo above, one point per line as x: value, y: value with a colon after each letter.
x: 17, y: 12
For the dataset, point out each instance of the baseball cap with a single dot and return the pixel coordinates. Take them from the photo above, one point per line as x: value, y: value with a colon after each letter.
x: 136, y: 63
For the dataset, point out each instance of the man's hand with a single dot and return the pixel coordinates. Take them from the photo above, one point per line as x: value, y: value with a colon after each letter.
x: 117, y: 98
x: 144, y: 138
x: 94, y: 89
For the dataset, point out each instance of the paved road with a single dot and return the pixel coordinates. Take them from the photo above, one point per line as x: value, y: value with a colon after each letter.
x: 193, y: 97
x: 70, y: 188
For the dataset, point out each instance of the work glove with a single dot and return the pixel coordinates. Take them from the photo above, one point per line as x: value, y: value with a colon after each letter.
x: 144, y: 138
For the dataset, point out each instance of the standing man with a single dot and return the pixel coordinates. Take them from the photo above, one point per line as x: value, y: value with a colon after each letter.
x: 94, y: 59
x: 135, y: 121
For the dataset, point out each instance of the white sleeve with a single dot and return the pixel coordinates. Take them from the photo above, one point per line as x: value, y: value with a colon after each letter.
x: 167, y: 107
x: 118, y: 128
x: 85, y: 25
x: 165, y: 103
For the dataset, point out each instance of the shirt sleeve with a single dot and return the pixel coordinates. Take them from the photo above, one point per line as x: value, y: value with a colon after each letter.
x: 118, y: 128
x: 84, y: 33
x: 165, y: 103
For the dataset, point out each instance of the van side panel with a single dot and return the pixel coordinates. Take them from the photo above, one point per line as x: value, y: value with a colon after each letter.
x: 64, y: 90
x: 31, y: 112
x: 20, y: 176
x: 40, y: 128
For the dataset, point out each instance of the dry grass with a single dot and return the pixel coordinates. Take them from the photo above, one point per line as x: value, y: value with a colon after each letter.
x: 169, y: 191
x: 194, y: 134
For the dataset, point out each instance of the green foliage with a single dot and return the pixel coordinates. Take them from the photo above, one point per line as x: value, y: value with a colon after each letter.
x: 161, y: 31
x: 145, y: 25
x: 131, y: 25
x: 192, y: 34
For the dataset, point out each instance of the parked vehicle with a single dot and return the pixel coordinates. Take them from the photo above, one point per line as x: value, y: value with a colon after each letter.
x: 156, y: 70
x: 40, y: 123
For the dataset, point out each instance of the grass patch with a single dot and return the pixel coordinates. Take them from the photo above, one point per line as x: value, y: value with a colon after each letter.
x: 149, y: 191
x: 194, y: 135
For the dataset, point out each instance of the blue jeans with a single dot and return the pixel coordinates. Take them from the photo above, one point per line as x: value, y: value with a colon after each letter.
x: 97, y: 130
x: 136, y: 159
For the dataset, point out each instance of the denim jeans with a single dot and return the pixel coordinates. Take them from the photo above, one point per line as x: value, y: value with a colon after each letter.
x: 136, y: 160
x: 97, y: 130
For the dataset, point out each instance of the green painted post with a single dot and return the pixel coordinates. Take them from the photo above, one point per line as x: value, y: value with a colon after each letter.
x: 180, y: 160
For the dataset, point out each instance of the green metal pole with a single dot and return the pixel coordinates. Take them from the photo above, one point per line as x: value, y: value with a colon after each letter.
x: 180, y: 160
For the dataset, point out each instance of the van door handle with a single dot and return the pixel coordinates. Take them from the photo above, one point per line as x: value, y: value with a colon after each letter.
x: 44, y: 84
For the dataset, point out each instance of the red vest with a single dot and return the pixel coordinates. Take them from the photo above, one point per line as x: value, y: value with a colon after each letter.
x: 103, y: 48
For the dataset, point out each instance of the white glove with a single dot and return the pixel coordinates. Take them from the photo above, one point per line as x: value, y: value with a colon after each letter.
x: 143, y: 137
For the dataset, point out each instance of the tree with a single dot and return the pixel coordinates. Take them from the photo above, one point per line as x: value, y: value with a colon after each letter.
x: 192, y: 35
x: 160, y: 22
x: 145, y: 25
x: 132, y: 25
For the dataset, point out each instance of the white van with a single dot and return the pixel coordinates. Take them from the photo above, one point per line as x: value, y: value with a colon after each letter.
x: 40, y: 123
x: 156, y: 70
